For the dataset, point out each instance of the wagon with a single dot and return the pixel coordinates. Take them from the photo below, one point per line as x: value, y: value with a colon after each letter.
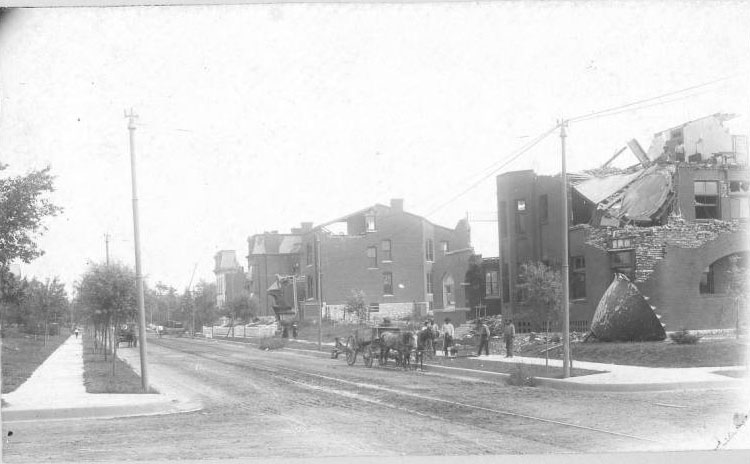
x: 363, y: 340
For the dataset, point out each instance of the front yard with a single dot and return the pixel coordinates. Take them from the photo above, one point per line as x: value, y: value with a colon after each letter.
x: 23, y: 353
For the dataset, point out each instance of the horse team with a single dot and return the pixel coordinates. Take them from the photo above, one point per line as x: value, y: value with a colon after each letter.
x: 403, y: 344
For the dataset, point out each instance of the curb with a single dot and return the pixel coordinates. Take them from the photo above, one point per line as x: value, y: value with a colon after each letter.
x: 99, y: 412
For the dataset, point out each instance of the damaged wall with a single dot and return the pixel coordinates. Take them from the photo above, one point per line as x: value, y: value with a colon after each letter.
x: 670, y: 261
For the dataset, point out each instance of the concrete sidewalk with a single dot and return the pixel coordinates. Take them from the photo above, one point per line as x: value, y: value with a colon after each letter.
x: 56, y: 391
x: 615, y: 377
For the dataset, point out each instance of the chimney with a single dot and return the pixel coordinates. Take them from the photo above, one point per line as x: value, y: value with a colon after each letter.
x: 306, y: 226
x: 397, y: 205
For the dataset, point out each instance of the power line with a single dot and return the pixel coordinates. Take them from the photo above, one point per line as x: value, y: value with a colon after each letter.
x: 507, y: 161
x: 584, y: 117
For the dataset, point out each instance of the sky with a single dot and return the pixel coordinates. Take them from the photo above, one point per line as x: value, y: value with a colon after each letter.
x: 254, y: 118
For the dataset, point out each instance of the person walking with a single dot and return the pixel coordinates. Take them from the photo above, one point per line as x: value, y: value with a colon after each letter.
x: 509, y: 332
x: 448, y: 332
x: 76, y: 332
x: 484, y: 338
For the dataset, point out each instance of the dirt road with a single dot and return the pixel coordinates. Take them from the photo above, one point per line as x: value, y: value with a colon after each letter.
x: 293, y: 403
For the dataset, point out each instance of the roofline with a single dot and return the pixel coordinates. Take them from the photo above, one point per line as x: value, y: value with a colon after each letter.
x: 360, y: 211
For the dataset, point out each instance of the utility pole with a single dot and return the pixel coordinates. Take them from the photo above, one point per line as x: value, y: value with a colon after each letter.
x: 137, y: 239
x: 319, y: 292
x: 565, y: 280
x: 106, y: 244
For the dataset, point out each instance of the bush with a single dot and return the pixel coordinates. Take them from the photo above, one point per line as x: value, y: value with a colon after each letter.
x: 272, y: 343
x: 684, y: 337
x: 520, y: 378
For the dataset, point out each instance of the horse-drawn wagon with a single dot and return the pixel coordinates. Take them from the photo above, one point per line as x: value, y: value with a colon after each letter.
x: 381, y: 342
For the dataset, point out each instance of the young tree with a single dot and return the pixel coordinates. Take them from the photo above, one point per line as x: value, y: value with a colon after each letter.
x: 356, y: 305
x: 542, y: 290
x: 107, y: 294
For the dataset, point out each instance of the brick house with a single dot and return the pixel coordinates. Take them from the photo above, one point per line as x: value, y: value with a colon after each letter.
x: 672, y: 224
x: 404, y: 264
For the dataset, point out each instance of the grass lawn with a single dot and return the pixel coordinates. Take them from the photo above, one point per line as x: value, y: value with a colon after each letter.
x: 22, y: 355
x: 705, y: 353
x: 97, y: 373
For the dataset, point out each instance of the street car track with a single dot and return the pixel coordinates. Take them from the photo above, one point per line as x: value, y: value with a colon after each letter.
x: 283, y: 374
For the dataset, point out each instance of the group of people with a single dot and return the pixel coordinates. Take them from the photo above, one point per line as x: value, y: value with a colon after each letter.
x: 509, y: 333
x: 448, y: 333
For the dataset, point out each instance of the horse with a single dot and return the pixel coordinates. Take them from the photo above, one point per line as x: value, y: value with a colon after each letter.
x: 425, y: 344
x: 401, y: 342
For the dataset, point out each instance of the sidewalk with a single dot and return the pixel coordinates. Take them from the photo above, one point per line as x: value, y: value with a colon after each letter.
x: 615, y: 377
x: 56, y: 391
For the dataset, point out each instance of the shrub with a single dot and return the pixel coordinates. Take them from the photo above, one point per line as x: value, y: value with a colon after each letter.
x: 684, y: 337
x: 520, y: 378
x: 272, y: 343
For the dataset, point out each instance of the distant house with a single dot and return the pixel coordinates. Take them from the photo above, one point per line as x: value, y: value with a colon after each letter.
x: 673, y: 224
x: 404, y: 264
x: 230, y: 277
x: 270, y: 255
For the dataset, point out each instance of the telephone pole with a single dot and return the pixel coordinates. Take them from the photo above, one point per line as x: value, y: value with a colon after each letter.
x: 565, y: 280
x: 137, y: 239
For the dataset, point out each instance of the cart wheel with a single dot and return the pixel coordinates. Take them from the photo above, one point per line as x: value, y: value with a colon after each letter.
x: 367, y: 356
x: 351, y: 351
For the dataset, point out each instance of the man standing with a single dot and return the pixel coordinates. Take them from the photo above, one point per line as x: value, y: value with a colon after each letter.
x: 448, y: 333
x: 435, y: 333
x: 510, y: 333
x: 484, y: 338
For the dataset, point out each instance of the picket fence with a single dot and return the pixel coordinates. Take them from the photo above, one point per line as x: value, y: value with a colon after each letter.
x: 240, y: 331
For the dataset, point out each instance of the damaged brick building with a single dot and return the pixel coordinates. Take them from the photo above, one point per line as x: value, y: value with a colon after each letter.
x: 675, y: 224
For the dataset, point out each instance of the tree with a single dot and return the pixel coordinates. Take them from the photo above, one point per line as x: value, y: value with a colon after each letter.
x: 204, y: 299
x: 44, y: 303
x: 475, y: 284
x: 107, y: 294
x: 541, y: 287
x: 356, y: 306
x: 242, y: 307
x: 24, y: 206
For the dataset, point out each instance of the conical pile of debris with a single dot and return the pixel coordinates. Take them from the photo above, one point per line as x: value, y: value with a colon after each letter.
x: 623, y: 314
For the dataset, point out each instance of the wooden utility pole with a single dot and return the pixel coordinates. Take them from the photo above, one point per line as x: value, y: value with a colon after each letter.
x: 565, y: 280
x: 137, y: 239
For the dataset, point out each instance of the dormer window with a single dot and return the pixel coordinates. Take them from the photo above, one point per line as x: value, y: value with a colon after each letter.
x: 370, y: 221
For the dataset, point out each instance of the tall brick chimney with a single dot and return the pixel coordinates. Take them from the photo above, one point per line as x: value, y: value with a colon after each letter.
x: 397, y: 204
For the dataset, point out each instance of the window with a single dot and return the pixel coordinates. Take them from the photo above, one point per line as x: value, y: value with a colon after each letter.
x: 387, y: 283
x: 370, y: 221
x: 521, y: 217
x: 706, y: 199
x: 309, y: 254
x: 444, y: 246
x: 372, y: 257
x: 310, y: 287
x: 506, y: 283
x: 503, y: 219
x: 429, y: 282
x: 429, y: 250
x: 706, y: 285
x: 490, y: 284
x: 623, y: 262
x: 577, y: 277
x: 738, y: 186
x: 543, y: 209
x: 386, y: 249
